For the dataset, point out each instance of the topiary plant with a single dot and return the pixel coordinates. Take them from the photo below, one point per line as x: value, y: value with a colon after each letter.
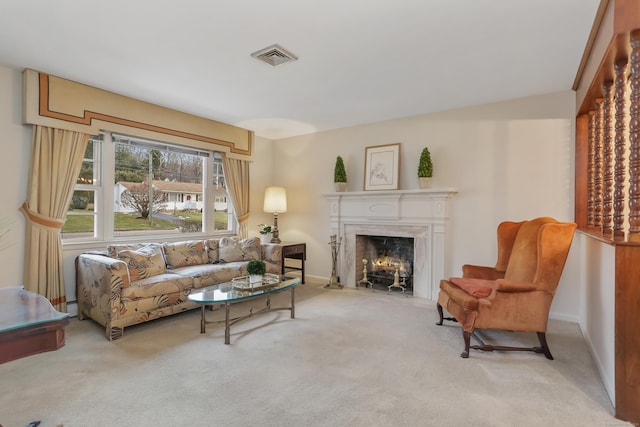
x: 339, y: 173
x: 425, y: 167
x: 256, y: 267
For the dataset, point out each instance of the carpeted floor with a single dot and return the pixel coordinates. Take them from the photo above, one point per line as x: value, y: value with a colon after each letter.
x: 350, y: 358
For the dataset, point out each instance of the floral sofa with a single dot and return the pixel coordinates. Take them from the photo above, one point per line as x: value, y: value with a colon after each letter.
x: 133, y: 283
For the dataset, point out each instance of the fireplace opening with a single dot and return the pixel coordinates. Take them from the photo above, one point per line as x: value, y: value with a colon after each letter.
x: 388, y: 262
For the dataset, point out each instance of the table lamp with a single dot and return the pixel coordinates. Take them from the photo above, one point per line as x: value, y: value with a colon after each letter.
x: 275, y: 201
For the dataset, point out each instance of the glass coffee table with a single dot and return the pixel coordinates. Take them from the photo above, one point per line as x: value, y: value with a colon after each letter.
x: 239, y: 290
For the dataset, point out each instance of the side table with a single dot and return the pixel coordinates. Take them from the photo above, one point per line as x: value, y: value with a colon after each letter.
x: 296, y: 251
x: 28, y: 324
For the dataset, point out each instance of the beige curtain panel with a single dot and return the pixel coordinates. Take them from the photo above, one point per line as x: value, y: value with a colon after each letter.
x: 56, y: 159
x: 236, y: 172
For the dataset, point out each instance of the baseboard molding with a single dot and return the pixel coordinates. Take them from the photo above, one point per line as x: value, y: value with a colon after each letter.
x: 316, y: 279
x: 564, y: 317
x: 72, y: 308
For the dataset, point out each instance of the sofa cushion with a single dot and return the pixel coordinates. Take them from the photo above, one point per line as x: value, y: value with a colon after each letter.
x: 144, y: 262
x: 232, y: 249
x: 156, y: 286
x: 181, y: 254
x: 212, y: 274
x: 141, y: 310
x: 212, y: 250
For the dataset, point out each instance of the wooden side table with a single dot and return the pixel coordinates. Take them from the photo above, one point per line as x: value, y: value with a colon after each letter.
x: 294, y: 251
x: 28, y: 324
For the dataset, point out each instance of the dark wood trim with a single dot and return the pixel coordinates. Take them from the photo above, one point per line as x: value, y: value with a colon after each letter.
x: 627, y: 16
x: 581, y: 162
x: 620, y: 31
x: 620, y: 167
x: 627, y: 338
x: 33, y: 339
x: 595, y: 28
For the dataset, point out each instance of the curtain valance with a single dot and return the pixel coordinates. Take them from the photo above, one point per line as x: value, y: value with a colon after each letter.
x: 63, y: 104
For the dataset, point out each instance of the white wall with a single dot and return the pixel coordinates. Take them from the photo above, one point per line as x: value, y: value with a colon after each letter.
x: 469, y: 148
x: 597, y: 316
x: 509, y: 161
x: 15, y: 146
x: 261, y: 177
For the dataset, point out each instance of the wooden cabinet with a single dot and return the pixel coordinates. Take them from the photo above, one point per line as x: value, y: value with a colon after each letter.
x: 608, y: 180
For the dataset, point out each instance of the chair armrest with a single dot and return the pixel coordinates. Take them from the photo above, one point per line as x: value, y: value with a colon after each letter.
x: 481, y: 272
x: 99, y: 281
x: 504, y: 285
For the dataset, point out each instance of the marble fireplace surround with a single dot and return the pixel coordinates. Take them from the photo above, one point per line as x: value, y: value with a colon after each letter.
x: 423, y: 215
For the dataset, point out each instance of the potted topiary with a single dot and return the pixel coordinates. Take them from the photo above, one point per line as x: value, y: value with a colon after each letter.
x: 256, y: 269
x: 340, y: 175
x: 425, y: 169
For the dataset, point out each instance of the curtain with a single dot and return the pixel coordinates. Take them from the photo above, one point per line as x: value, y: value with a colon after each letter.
x: 56, y: 159
x: 236, y: 172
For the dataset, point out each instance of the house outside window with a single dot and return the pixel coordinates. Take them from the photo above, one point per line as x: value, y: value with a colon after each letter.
x: 130, y: 186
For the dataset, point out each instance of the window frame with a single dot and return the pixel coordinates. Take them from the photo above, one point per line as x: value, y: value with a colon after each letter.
x: 104, y: 147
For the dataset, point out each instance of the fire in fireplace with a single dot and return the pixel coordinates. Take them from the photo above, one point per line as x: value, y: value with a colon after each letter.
x: 389, y: 262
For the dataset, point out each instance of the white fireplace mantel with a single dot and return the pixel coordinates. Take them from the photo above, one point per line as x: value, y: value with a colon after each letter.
x: 421, y: 214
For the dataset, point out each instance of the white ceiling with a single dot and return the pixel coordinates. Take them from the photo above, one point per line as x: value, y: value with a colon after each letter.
x: 360, y: 61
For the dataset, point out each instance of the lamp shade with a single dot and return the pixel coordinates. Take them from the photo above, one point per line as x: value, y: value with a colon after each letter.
x: 275, y: 199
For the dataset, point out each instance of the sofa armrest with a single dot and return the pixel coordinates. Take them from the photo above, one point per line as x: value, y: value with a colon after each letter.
x: 272, y: 256
x: 99, y: 281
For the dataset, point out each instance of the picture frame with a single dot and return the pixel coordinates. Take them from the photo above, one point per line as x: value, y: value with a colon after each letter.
x: 382, y: 167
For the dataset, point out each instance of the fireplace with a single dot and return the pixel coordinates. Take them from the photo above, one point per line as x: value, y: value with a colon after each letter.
x: 388, y: 262
x: 419, y: 215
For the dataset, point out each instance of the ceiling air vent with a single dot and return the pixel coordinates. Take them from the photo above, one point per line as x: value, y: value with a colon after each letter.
x: 274, y: 55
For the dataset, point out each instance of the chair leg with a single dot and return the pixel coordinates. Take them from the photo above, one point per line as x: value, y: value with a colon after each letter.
x: 441, y: 314
x: 545, y: 347
x: 467, y: 341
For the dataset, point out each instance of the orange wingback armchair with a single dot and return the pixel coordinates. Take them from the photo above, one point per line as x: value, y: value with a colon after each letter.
x: 516, y: 294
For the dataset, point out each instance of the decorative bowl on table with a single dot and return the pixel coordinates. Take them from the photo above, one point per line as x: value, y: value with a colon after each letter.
x: 245, y: 284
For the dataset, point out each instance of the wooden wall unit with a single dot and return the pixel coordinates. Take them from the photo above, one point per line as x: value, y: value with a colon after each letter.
x: 607, y: 175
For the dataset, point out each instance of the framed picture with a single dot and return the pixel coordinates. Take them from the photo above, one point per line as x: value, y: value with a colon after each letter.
x: 382, y: 167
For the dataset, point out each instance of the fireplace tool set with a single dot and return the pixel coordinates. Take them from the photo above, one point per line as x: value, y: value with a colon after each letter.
x: 335, y: 243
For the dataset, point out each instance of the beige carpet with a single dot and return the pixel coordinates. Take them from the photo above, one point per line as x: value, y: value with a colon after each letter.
x: 350, y: 358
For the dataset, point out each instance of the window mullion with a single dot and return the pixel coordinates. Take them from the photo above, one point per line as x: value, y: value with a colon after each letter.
x: 105, y: 209
x: 208, y: 215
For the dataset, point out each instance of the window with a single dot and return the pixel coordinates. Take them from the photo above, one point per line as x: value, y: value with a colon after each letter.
x: 153, y: 188
x: 81, y: 216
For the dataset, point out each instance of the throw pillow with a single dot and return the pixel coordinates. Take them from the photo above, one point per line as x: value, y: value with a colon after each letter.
x: 181, y: 254
x: 113, y: 250
x: 144, y: 262
x: 212, y: 250
x: 232, y: 249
